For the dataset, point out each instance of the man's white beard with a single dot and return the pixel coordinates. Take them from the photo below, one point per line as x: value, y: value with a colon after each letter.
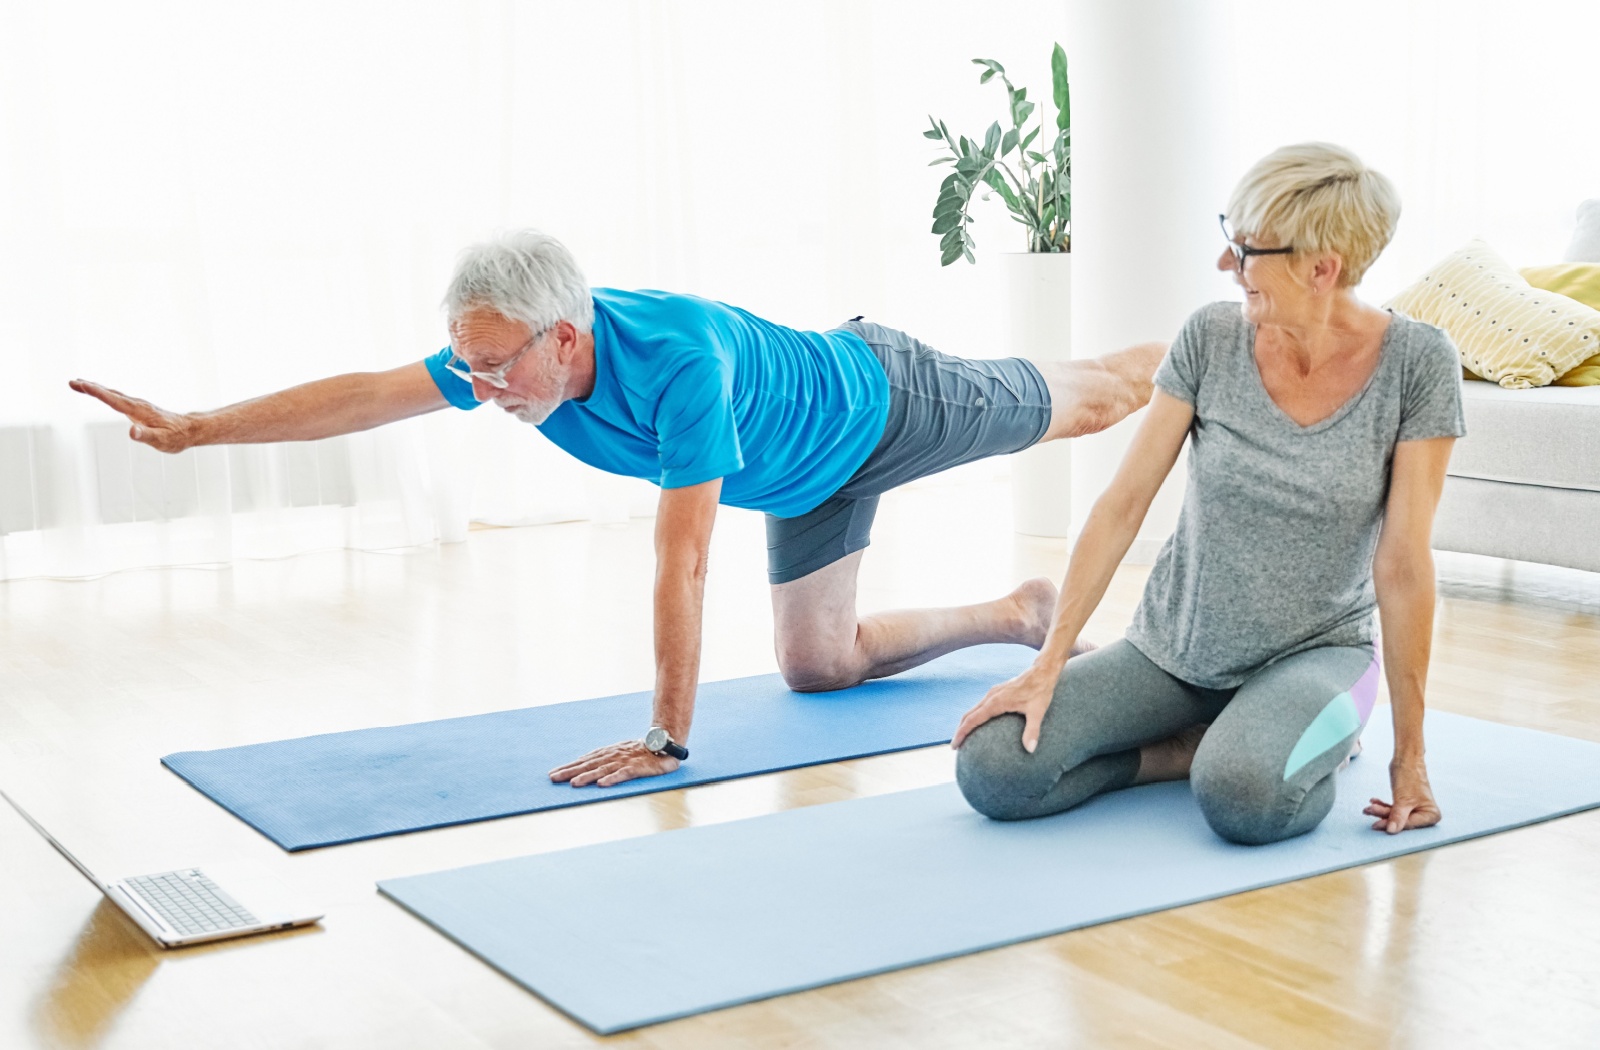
x: 532, y: 412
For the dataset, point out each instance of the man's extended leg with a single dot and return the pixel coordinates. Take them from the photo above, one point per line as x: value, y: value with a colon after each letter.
x: 1092, y: 394
x: 823, y: 644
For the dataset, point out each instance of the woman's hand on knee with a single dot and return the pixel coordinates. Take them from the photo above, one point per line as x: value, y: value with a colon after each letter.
x: 1029, y: 695
x: 1413, y: 805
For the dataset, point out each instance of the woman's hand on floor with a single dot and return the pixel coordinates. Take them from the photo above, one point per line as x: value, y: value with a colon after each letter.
x: 1029, y: 695
x: 1413, y: 805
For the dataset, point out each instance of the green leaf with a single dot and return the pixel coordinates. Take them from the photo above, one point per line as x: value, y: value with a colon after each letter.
x: 941, y: 160
x: 952, y: 239
x: 1023, y: 112
x: 943, y: 224
x: 991, y: 139
x: 998, y: 182
x: 950, y: 255
x: 1008, y: 143
x: 987, y: 73
x: 948, y: 185
x: 934, y: 134
x: 1030, y: 137
x: 949, y: 206
x: 1058, y: 81
x: 1037, y: 158
x: 966, y: 147
x: 967, y: 253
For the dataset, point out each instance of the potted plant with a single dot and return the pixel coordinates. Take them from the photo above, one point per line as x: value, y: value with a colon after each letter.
x: 1039, y: 197
x: 1034, y: 179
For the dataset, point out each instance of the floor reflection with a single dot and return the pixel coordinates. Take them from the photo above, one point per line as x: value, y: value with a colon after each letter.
x: 109, y: 963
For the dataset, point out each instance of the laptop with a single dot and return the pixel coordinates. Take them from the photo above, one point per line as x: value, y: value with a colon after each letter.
x: 175, y: 907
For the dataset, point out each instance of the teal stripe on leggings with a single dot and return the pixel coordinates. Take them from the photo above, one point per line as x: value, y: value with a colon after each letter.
x: 1335, y: 722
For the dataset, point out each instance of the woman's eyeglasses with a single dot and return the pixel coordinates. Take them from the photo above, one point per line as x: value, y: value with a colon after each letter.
x: 1242, y: 252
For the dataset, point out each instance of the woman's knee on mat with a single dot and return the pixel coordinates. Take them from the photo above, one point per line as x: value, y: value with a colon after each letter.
x: 996, y: 775
x: 1246, y: 800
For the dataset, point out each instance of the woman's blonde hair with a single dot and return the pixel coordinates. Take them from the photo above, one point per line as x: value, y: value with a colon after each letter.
x: 1316, y: 197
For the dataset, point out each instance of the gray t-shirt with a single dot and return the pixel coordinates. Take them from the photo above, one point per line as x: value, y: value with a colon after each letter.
x: 1273, y: 550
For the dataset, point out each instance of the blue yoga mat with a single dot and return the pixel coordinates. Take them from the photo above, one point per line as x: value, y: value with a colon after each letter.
x: 703, y: 918
x: 343, y: 787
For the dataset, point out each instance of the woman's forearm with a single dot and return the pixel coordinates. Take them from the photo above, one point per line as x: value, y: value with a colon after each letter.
x: 1405, y: 604
x: 1106, y: 537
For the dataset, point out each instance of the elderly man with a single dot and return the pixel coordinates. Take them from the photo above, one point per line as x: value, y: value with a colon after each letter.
x: 714, y: 405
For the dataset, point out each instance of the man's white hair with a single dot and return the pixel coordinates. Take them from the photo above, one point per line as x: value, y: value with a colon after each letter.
x: 523, y: 275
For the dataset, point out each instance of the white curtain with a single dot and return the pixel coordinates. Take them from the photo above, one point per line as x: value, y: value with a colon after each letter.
x: 202, y: 202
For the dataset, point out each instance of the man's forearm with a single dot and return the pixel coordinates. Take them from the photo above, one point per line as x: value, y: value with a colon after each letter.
x: 341, y: 404
x: 679, y: 599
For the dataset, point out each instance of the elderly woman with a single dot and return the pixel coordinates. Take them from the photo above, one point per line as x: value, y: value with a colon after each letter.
x: 1319, y: 431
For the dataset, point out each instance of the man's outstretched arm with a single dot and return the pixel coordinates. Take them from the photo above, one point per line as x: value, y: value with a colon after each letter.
x: 683, y: 542
x: 341, y: 404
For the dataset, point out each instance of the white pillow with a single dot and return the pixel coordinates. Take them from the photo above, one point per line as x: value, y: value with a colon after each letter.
x: 1585, y: 246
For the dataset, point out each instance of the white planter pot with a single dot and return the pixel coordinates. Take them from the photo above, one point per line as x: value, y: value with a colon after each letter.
x: 1039, y: 296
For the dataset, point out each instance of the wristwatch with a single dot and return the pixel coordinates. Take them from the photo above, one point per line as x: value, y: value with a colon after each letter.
x: 659, y: 742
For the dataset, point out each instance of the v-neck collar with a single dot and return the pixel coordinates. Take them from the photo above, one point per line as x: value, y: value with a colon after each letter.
x: 1343, y: 410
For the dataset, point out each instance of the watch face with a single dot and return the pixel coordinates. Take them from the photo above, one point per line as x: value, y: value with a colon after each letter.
x: 656, y: 739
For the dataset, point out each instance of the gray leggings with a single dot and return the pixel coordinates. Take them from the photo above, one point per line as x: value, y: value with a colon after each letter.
x: 1264, y: 770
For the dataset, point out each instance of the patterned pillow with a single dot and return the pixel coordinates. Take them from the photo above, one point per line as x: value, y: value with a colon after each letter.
x: 1580, y: 281
x: 1504, y: 329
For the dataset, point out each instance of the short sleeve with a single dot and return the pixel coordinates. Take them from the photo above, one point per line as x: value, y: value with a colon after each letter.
x: 1432, y: 405
x: 456, y: 390
x: 1180, y: 371
x: 695, y: 429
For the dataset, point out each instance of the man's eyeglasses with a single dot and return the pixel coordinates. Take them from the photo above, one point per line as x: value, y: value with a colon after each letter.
x: 1242, y: 252
x: 459, y: 367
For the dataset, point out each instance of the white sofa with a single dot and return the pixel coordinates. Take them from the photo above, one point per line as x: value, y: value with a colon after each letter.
x: 1525, y: 481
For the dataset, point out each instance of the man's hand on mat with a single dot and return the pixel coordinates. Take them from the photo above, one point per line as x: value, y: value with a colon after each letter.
x: 613, y: 764
x: 1413, y: 805
x: 1029, y: 695
x: 161, y: 430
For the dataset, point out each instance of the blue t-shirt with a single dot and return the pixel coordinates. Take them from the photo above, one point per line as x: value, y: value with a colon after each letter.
x: 687, y: 390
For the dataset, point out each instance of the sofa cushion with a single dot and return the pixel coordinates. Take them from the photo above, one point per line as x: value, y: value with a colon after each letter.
x: 1585, y: 246
x: 1544, y: 437
x: 1505, y: 329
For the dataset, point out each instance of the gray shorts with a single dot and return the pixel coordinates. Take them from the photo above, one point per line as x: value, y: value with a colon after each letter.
x: 943, y: 411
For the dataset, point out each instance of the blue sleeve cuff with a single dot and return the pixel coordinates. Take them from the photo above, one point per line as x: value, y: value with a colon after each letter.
x: 456, y: 390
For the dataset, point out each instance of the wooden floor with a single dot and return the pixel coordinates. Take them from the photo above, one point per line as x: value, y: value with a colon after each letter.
x: 1495, y: 942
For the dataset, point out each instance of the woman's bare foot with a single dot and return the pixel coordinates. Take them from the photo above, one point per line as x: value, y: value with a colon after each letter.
x: 1171, y: 758
x: 1354, y: 751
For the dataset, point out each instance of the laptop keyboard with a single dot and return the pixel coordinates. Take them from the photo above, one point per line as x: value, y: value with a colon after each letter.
x: 189, y: 902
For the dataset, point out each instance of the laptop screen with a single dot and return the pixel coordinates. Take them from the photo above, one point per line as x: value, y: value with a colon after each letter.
x: 76, y: 863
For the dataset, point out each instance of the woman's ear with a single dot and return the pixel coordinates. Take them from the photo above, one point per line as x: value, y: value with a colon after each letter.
x: 1325, y: 270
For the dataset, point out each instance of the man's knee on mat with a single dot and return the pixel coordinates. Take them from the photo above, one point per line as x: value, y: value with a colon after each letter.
x: 995, y: 774
x: 812, y: 670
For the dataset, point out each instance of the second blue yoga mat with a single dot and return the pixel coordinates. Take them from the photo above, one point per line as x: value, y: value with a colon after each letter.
x: 342, y: 787
x: 629, y: 933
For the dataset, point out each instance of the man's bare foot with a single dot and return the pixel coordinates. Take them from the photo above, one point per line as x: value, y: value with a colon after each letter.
x: 1171, y: 758
x: 1089, y: 395
x: 1034, y: 602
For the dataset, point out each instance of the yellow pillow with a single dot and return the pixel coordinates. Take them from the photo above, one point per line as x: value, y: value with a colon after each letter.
x: 1580, y: 281
x: 1504, y: 329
